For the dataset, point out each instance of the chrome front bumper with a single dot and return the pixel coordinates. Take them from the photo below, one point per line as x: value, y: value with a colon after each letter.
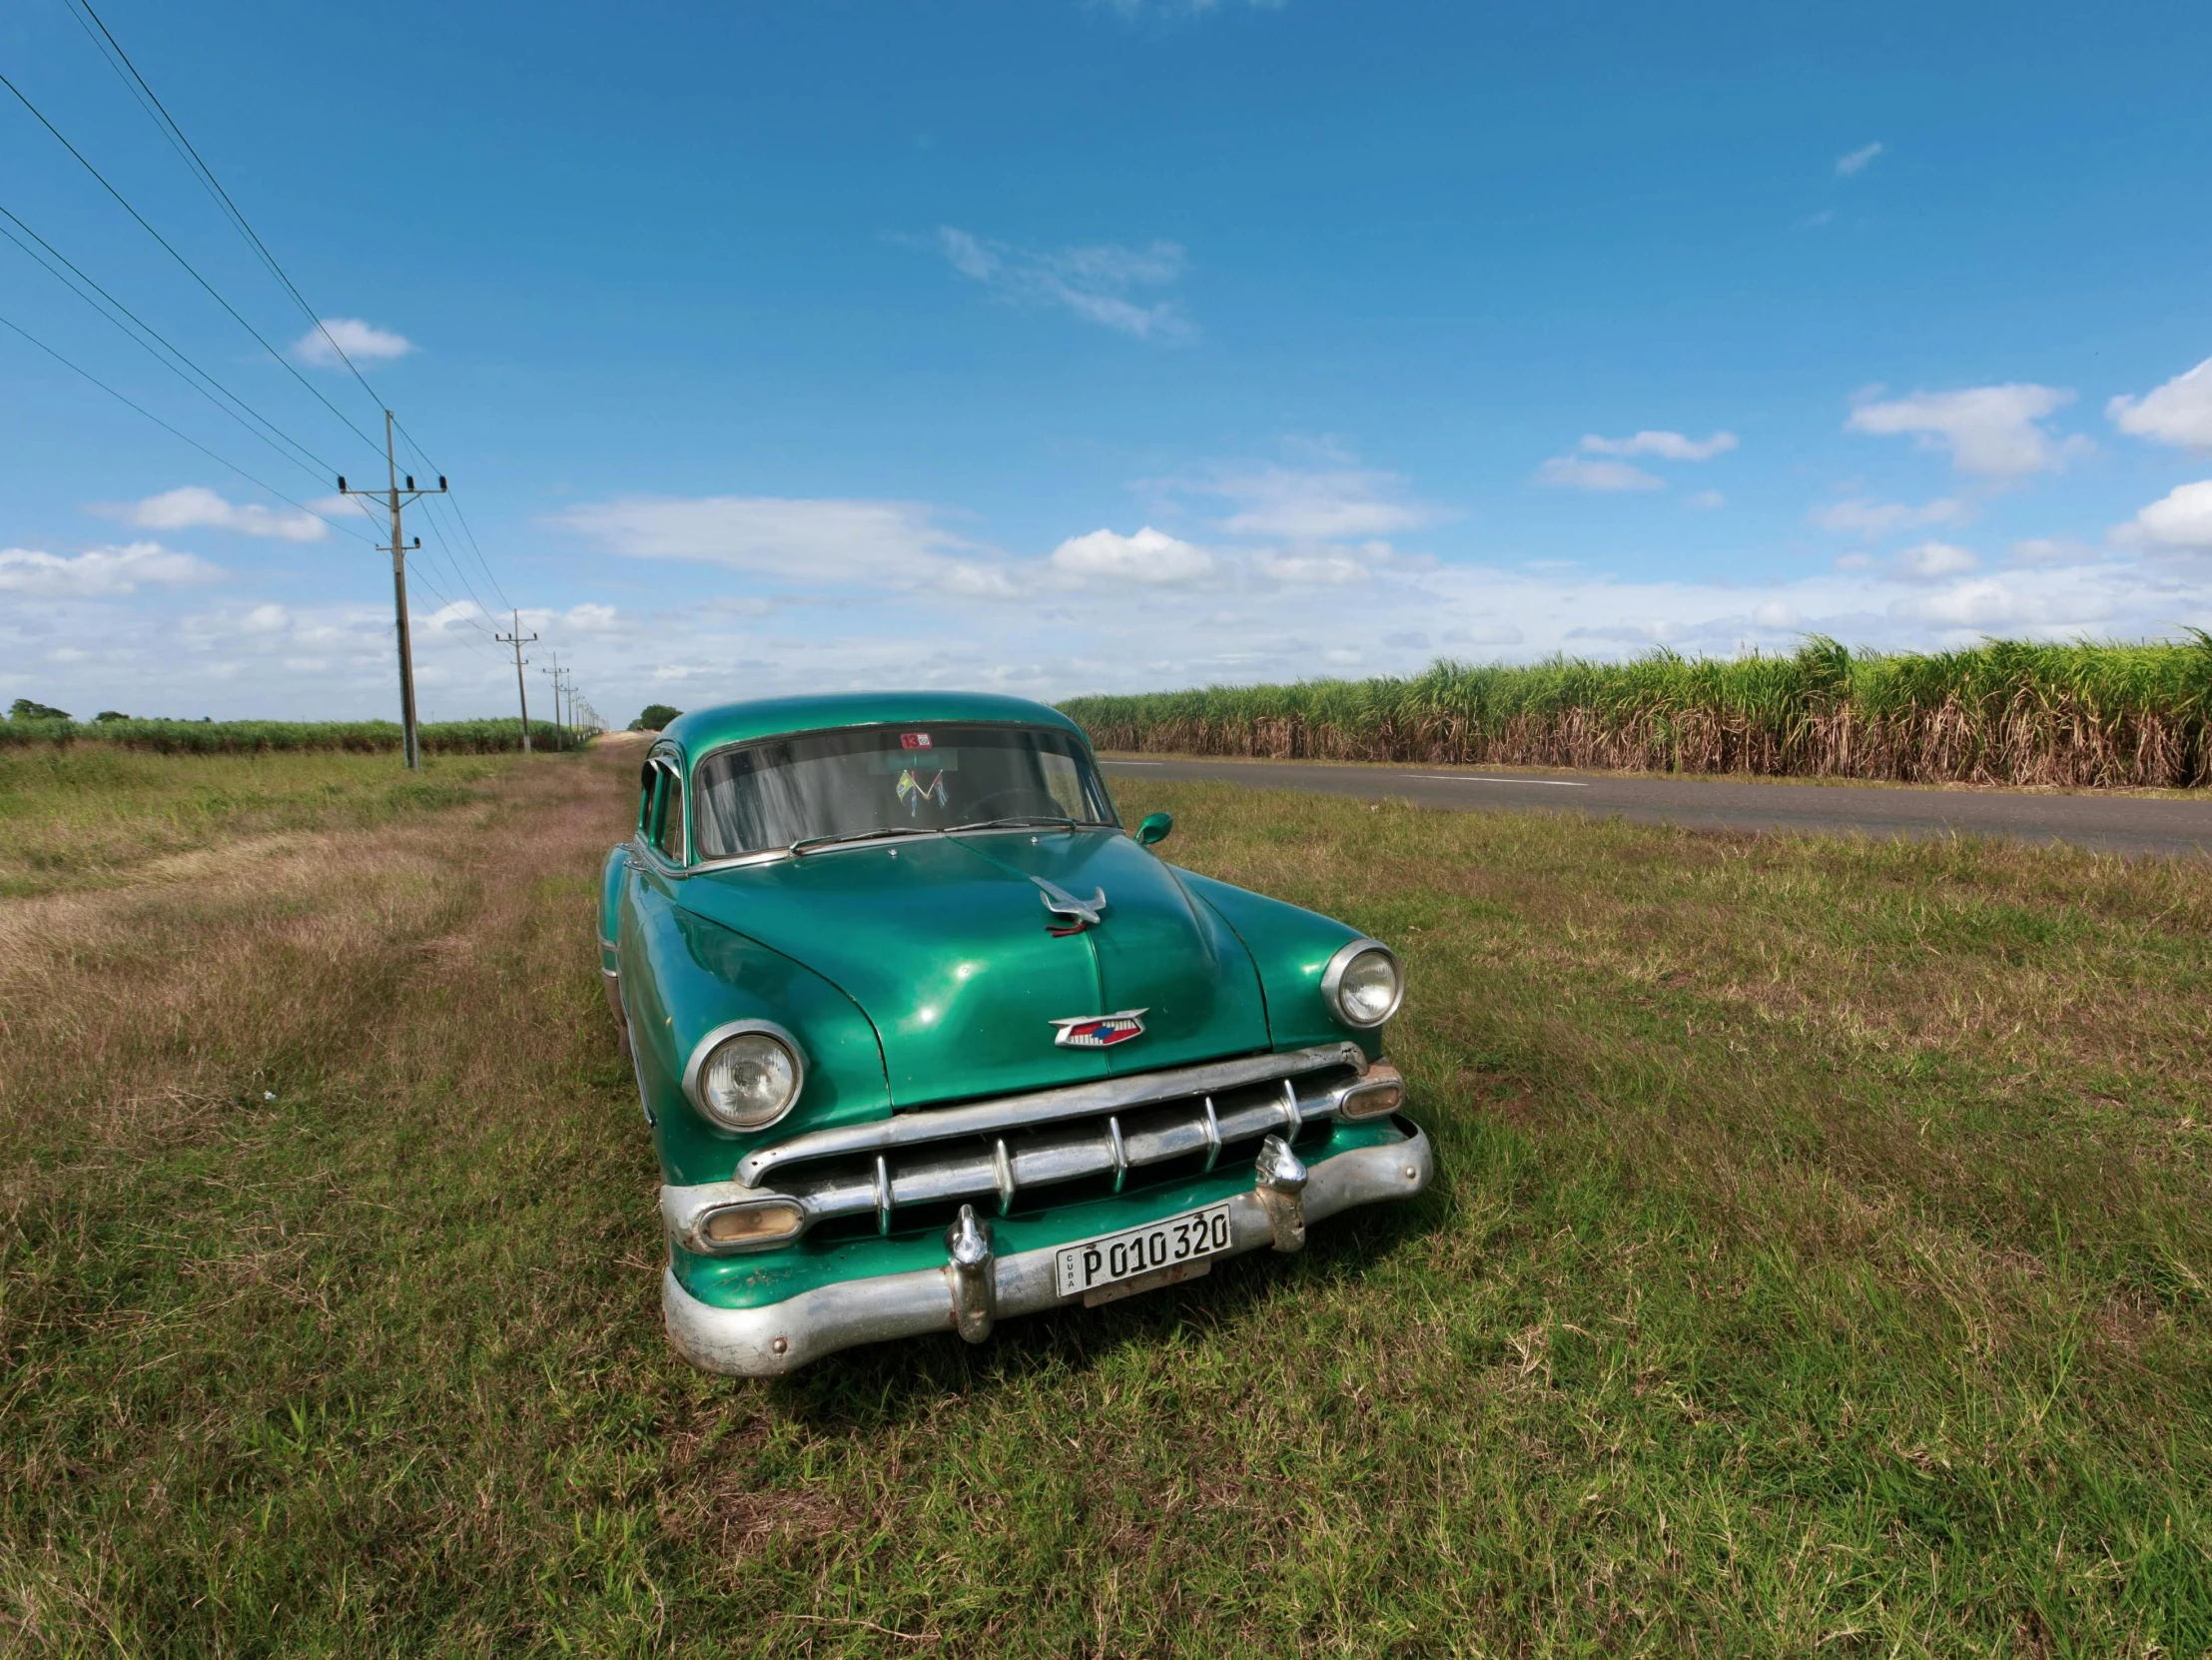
x: 780, y: 1338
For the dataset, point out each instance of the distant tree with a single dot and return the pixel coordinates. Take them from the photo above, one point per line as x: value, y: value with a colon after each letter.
x: 653, y: 717
x: 111, y: 714
x: 25, y: 708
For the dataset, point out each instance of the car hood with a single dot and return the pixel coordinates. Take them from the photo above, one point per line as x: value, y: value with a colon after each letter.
x: 944, y: 943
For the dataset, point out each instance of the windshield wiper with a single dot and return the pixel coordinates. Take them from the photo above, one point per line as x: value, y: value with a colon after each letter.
x: 1018, y: 821
x: 807, y: 844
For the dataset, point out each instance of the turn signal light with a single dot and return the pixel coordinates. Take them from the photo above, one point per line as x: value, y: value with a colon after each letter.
x: 1376, y: 1096
x: 751, y: 1227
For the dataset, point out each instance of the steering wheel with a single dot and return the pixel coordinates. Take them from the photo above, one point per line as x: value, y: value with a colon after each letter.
x: 976, y: 809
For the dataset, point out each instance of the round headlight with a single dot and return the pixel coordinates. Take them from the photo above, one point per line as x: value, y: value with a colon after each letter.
x: 1362, y: 984
x: 746, y: 1077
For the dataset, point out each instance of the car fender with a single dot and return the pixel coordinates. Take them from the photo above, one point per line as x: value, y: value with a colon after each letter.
x: 683, y: 977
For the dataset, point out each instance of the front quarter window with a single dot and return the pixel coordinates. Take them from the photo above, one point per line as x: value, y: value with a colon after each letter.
x: 669, y: 836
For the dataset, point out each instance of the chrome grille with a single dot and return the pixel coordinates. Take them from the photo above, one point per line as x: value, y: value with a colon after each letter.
x: 1004, y: 1167
x: 1019, y: 1149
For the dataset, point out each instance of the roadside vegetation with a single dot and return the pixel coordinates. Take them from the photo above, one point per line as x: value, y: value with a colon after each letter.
x: 231, y: 737
x: 2006, y: 712
x: 94, y: 815
x: 1819, y: 1263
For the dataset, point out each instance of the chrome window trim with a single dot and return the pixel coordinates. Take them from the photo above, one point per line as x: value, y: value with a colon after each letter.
x: 986, y: 1118
x: 669, y: 764
x: 736, y: 1028
x: 1332, y: 980
x: 774, y: 855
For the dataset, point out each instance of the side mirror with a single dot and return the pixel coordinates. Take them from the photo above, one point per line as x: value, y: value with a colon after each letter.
x: 1154, y: 828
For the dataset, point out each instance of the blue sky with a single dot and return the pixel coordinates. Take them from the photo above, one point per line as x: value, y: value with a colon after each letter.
x: 1055, y: 347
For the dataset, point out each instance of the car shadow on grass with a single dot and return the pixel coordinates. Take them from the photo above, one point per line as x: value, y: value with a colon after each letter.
x: 864, y: 1390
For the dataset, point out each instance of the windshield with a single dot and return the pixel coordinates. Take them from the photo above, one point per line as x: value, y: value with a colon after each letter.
x: 890, y: 779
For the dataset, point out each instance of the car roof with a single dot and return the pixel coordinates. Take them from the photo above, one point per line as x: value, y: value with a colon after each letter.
x: 726, y: 723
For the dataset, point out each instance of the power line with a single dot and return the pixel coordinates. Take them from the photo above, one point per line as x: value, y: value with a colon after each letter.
x: 174, y: 432
x: 358, y: 498
x: 117, y: 59
x: 190, y: 269
x: 453, y: 562
x: 209, y: 182
x: 150, y: 103
x: 301, y: 455
x: 454, y: 503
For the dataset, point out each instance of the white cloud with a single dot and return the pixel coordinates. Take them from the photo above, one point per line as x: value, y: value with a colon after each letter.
x: 1331, y: 503
x: 457, y: 613
x: 2178, y: 412
x: 1096, y: 283
x: 1704, y: 501
x: 1572, y: 473
x: 2051, y: 551
x: 1851, y: 165
x: 365, y: 343
x: 1983, y: 603
x: 103, y: 572
x: 1671, y: 447
x: 194, y: 508
x: 1148, y: 557
x: 1932, y: 561
x: 809, y: 543
x: 791, y: 595
x: 1861, y: 518
x: 1312, y: 570
x: 2182, y: 517
x: 1992, y: 431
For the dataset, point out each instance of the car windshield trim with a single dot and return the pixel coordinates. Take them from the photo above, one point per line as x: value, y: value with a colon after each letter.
x: 848, y: 787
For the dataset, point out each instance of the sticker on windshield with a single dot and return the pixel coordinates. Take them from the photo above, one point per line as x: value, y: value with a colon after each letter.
x: 914, y: 740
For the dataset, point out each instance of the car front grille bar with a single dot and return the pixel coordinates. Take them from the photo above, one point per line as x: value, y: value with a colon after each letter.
x: 1001, y: 1150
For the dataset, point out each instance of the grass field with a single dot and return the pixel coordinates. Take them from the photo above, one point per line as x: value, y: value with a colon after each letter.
x: 247, y: 737
x: 1817, y: 1264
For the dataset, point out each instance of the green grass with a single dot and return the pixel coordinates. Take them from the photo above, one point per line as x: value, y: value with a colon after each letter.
x: 2007, y: 712
x: 86, y: 814
x: 227, y: 737
x: 1817, y: 1262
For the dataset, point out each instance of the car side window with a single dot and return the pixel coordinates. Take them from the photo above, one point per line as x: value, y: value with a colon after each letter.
x: 668, y: 834
x: 648, y: 780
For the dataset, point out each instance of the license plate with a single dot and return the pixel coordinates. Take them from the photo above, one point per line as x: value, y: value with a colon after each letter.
x: 1158, y: 1249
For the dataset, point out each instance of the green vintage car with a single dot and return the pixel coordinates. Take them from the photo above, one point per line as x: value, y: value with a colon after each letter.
x: 926, y: 1039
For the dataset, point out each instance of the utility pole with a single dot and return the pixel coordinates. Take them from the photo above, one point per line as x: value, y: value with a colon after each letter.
x: 399, y: 551
x: 517, y: 640
x: 560, y: 732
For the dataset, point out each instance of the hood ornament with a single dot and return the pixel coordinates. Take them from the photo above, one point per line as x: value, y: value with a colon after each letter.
x: 1074, y: 914
x: 1100, y: 1031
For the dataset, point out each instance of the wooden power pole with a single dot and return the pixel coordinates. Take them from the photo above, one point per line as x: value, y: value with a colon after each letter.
x: 392, y: 492
x: 560, y: 732
x: 521, y: 691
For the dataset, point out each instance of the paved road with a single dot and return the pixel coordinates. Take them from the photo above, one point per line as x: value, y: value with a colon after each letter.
x: 2107, y: 823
